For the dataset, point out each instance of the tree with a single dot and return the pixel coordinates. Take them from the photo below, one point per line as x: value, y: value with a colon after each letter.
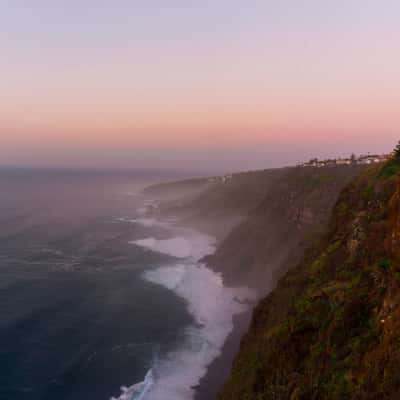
x: 396, y: 151
x: 353, y: 158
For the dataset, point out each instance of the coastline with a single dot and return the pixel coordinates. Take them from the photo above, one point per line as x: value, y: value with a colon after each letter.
x: 222, y: 309
x: 211, y: 383
x: 218, y: 371
x: 287, y: 219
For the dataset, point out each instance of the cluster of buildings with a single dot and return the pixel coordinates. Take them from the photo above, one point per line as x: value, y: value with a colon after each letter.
x: 330, y: 162
x: 352, y: 160
x: 222, y: 179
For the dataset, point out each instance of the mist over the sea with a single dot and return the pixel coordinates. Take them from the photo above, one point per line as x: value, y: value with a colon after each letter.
x: 91, y: 286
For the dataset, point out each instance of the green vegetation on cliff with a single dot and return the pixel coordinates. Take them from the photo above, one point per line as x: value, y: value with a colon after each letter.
x: 330, y: 329
x: 274, y: 235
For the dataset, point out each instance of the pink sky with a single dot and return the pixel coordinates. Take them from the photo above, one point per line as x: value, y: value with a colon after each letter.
x: 219, y: 85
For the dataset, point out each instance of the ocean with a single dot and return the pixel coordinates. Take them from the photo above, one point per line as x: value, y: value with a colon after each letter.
x: 99, y: 299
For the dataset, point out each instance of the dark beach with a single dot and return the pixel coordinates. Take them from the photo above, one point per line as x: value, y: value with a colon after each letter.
x: 218, y: 371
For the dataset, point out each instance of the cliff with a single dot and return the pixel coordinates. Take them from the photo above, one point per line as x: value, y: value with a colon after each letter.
x: 274, y: 235
x: 213, y: 205
x: 176, y: 190
x: 330, y: 329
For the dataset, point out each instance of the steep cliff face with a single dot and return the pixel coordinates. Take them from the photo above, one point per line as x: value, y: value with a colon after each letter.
x: 215, y: 205
x: 330, y: 329
x: 272, y: 238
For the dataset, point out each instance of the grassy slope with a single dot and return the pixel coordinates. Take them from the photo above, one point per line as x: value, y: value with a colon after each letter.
x: 330, y: 330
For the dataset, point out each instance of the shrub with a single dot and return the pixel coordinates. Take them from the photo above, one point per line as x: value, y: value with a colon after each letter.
x: 390, y: 168
x: 385, y: 263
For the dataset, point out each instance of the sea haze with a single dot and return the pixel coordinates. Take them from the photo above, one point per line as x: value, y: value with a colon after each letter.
x: 99, y: 300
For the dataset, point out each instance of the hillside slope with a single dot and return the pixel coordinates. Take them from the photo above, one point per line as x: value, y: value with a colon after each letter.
x: 175, y: 190
x: 330, y: 330
x: 214, y: 205
x: 273, y: 236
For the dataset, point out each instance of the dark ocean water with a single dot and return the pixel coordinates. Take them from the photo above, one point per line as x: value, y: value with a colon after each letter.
x: 77, y: 320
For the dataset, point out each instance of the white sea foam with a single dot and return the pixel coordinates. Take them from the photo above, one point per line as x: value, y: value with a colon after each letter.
x: 210, y: 303
x: 213, y: 306
x: 149, y: 206
x: 137, y: 391
x: 147, y: 222
x: 194, y: 246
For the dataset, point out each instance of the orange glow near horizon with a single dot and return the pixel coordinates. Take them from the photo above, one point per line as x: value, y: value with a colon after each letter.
x: 277, y: 78
x: 191, y: 123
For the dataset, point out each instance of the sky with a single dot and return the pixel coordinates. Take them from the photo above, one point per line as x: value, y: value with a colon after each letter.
x: 207, y: 85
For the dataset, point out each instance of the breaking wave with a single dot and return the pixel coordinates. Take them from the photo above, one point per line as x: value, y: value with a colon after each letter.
x: 194, y: 247
x: 212, y: 305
